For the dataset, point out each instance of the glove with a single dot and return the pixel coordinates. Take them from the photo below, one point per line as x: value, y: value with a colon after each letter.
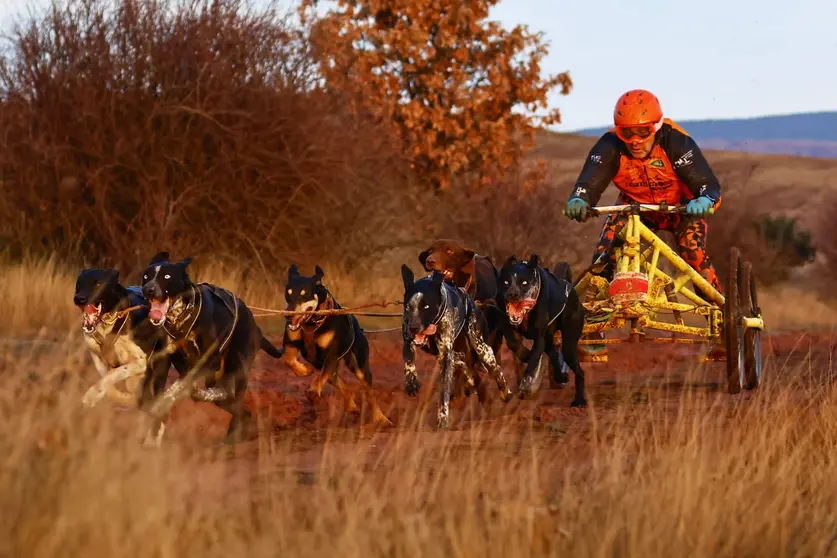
x: 576, y: 209
x: 699, y: 207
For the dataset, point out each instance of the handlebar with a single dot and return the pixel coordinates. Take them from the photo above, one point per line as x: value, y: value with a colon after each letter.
x: 640, y: 207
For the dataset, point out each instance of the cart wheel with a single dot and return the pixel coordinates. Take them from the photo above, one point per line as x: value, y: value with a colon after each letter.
x: 733, y: 330
x: 752, y: 337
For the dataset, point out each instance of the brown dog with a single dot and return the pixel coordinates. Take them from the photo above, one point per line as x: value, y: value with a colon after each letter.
x: 463, y: 268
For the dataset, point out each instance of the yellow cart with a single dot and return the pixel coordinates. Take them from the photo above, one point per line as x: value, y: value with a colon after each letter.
x: 642, y: 296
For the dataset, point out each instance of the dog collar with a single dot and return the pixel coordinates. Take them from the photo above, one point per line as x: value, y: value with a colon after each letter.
x: 328, y: 304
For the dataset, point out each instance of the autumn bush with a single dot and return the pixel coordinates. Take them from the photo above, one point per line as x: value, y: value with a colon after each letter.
x: 463, y: 92
x: 194, y: 127
x: 204, y: 128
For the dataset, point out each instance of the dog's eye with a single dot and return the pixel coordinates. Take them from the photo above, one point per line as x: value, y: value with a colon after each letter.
x: 290, y: 291
x: 145, y: 277
x: 302, y: 292
x: 506, y: 282
x: 166, y: 276
x: 426, y: 306
x: 526, y: 282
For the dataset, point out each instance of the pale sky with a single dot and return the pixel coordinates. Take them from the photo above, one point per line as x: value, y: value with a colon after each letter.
x: 704, y: 59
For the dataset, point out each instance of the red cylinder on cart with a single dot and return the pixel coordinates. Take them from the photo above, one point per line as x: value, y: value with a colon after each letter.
x: 628, y: 287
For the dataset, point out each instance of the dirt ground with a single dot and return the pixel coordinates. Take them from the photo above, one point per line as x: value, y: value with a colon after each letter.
x: 615, y: 390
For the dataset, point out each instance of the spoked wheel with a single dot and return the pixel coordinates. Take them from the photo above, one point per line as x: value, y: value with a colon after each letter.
x: 733, y: 329
x: 752, y: 337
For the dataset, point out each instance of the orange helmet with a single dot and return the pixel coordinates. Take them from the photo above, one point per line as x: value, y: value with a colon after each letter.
x: 637, y: 115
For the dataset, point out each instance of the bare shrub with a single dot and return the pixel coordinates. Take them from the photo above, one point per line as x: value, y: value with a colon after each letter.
x: 192, y: 127
x: 773, y: 244
x: 507, y: 217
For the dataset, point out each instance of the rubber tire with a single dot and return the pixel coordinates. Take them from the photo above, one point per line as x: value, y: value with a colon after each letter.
x: 753, y: 362
x: 732, y: 327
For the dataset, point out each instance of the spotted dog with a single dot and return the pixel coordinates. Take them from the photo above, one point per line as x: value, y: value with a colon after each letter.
x: 476, y: 275
x: 211, y: 338
x: 539, y: 304
x: 117, y: 333
x: 325, y: 340
x: 444, y: 322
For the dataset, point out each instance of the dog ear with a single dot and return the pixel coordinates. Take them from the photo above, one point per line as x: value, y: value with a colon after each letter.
x: 438, y: 279
x: 318, y: 274
x: 510, y: 261
x: 423, y: 259
x: 114, y: 275
x: 184, y: 263
x: 469, y: 254
x: 293, y: 271
x: 407, y: 277
x: 534, y: 261
x: 159, y: 257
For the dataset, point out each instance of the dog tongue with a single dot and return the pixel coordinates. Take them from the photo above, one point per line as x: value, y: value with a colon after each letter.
x: 420, y: 338
x: 157, y: 310
x: 91, y: 310
x: 523, y: 306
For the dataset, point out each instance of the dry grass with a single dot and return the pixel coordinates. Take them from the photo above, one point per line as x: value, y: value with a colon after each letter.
x: 684, y: 473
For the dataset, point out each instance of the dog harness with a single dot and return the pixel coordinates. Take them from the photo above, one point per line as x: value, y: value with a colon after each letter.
x: 106, y: 341
x: 456, y: 316
x: 330, y: 303
x: 115, y: 321
x: 189, y: 315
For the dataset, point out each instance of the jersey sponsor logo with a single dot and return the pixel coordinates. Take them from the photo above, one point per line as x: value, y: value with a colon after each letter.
x: 657, y: 163
x: 685, y: 160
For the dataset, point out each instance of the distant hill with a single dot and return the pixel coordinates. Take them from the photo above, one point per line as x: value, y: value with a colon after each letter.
x: 812, y: 134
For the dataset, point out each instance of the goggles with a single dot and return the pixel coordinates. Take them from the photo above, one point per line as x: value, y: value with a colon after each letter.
x: 637, y: 134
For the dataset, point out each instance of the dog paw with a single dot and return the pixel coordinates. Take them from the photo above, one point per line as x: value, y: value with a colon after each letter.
x: 506, y: 395
x: 443, y: 423
x: 578, y: 403
x: 382, y: 421
x: 412, y: 386
x: 525, y: 389
x: 93, y: 396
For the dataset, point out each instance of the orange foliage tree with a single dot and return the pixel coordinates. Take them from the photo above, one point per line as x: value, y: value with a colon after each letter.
x: 463, y: 92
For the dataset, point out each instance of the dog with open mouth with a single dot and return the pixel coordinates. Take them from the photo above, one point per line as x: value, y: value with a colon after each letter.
x: 211, y: 338
x: 476, y: 275
x: 538, y: 305
x: 117, y: 333
x: 324, y: 340
x: 443, y: 321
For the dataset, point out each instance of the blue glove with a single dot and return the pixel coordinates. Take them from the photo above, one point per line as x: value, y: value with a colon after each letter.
x: 699, y: 207
x: 576, y: 209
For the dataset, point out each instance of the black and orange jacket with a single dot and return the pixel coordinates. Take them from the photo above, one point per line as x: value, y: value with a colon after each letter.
x: 675, y: 171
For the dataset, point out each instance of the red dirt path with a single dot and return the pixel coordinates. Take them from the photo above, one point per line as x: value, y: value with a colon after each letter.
x: 633, y: 371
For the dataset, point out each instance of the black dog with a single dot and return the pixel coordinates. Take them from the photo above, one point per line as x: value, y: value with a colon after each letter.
x: 445, y: 322
x: 117, y: 333
x: 538, y: 304
x: 211, y: 338
x: 325, y: 340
